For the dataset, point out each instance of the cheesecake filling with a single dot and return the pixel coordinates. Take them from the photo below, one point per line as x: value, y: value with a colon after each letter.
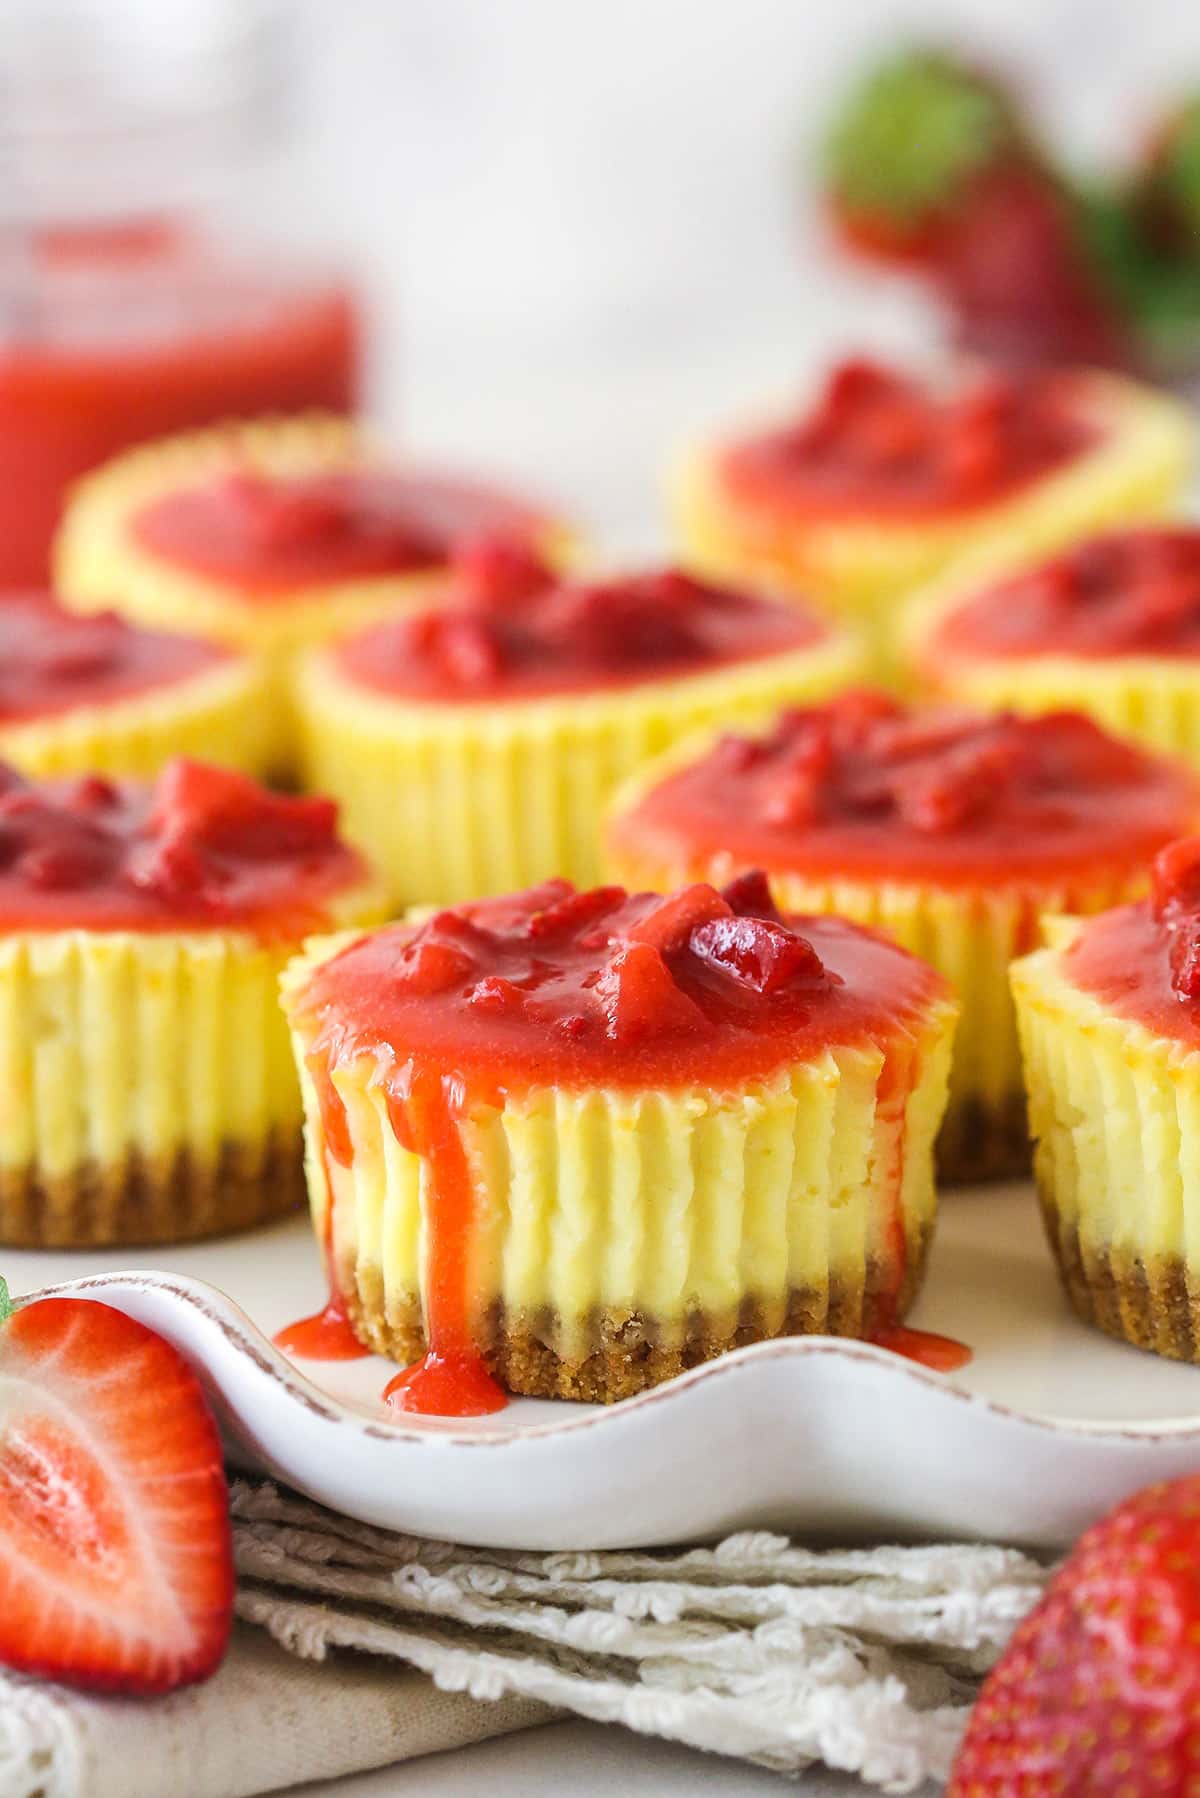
x: 882, y: 444
x: 1127, y: 593
x: 271, y: 533
x: 866, y: 788
x: 548, y: 1063
x: 512, y: 629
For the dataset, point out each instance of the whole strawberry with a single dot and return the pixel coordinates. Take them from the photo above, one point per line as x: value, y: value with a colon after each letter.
x: 116, y: 1565
x: 908, y: 147
x: 1099, y: 1690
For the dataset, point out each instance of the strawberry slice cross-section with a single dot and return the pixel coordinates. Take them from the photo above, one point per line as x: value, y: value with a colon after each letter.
x: 116, y: 1569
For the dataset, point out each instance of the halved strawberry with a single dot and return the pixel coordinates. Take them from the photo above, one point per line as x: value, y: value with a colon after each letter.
x: 1099, y: 1689
x: 116, y: 1564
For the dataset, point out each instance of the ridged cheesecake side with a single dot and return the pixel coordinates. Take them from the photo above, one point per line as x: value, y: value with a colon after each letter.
x: 1115, y: 1110
x: 454, y: 801
x: 620, y: 1236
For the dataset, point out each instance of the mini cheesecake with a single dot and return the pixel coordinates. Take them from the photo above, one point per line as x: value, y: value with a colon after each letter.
x: 271, y: 536
x: 952, y: 831
x: 100, y: 696
x: 1110, y: 1031
x: 886, y: 479
x: 146, y: 1088
x: 575, y: 1142
x: 1110, y: 626
x: 473, y: 745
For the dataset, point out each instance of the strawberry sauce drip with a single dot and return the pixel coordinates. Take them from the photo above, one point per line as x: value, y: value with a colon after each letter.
x: 1126, y: 593
x: 883, y: 444
x: 327, y: 1335
x: 864, y: 786
x: 560, y: 988
x: 203, y: 847
x: 940, y: 1353
x: 52, y: 661
x: 269, y: 534
x: 512, y: 629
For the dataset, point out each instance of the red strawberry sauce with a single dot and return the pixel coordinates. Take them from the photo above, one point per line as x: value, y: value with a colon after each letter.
x: 1142, y: 961
x: 1123, y: 594
x: 555, y: 987
x: 268, y: 535
x: 52, y: 662
x: 201, y: 848
x: 511, y: 629
x: 881, y: 443
x: 866, y: 788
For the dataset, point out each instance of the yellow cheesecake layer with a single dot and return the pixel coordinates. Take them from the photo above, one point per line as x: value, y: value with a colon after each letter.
x: 222, y: 714
x: 665, y: 1206
x: 970, y: 936
x: 456, y: 801
x: 862, y: 568
x: 124, y: 1055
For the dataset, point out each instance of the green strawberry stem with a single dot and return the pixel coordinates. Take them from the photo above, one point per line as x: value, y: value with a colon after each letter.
x: 6, y: 1305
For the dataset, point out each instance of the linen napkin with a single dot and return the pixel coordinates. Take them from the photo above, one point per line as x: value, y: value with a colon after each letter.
x: 864, y: 1659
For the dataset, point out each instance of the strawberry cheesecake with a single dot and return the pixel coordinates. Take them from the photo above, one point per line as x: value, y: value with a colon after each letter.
x: 1110, y: 1030
x: 951, y: 830
x: 569, y: 1143
x: 146, y: 1089
x: 887, y: 478
x: 473, y: 744
x: 98, y: 695
x: 1110, y: 626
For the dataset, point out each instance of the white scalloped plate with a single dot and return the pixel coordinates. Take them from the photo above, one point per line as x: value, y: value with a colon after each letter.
x: 1048, y: 1426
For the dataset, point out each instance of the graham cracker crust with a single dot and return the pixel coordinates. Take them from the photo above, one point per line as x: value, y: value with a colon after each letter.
x: 978, y: 1141
x: 177, y: 1198
x: 625, y: 1352
x: 1154, y: 1307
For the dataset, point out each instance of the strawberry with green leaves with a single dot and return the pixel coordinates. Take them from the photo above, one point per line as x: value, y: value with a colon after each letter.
x: 909, y: 148
x: 1098, y: 1692
x: 116, y: 1567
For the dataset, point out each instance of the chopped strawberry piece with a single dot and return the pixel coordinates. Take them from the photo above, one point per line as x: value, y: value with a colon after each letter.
x: 1176, y: 875
x: 574, y: 912
x: 1099, y: 1689
x: 220, y: 807
x: 468, y: 648
x: 427, y: 966
x: 502, y: 569
x: 639, y: 998
x: 749, y: 896
x: 116, y: 1567
x: 495, y: 995
x: 667, y: 925
x: 757, y: 953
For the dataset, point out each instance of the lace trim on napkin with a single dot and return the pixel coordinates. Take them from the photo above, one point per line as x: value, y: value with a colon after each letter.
x: 865, y: 1659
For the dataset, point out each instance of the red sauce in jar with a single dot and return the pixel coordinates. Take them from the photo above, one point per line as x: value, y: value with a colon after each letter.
x: 1142, y: 961
x: 1128, y: 593
x: 117, y: 336
x: 52, y: 661
x: 268, y: 535
x: 202, y: 848
x: 881, y: 443
x: 512, y: 629
x: 870, y: 789
x: 566, y: 989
